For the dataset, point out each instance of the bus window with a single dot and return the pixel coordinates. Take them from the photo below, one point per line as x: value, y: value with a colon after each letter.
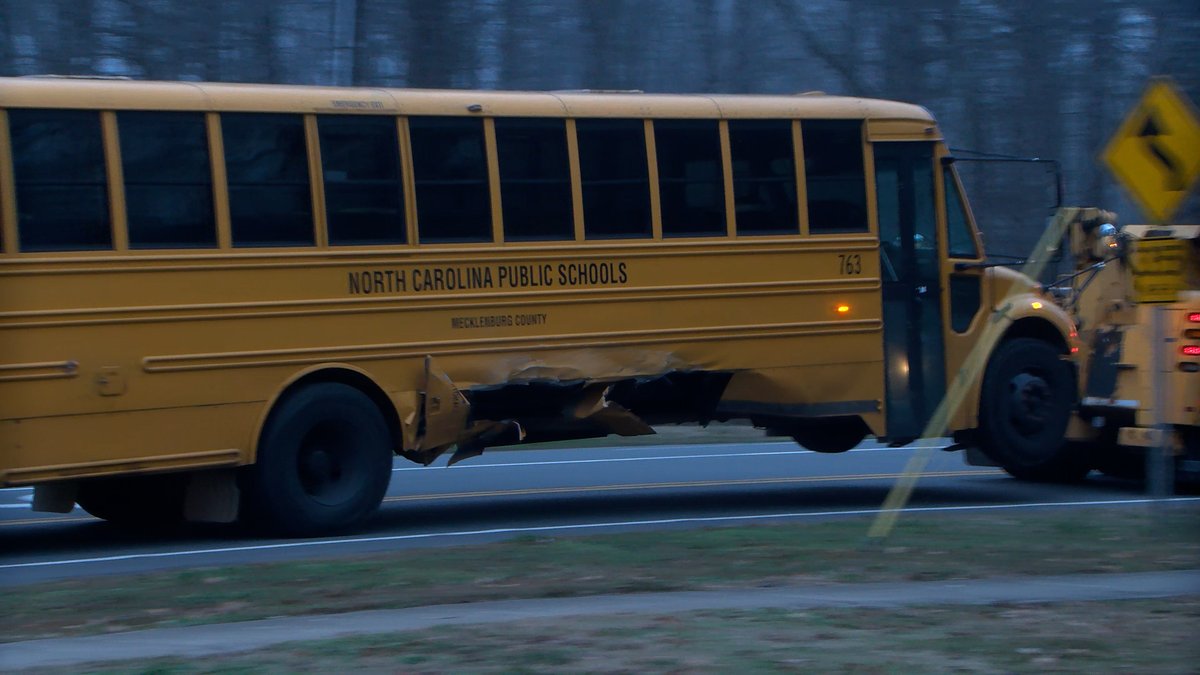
x: 691, y: 182
x: 535, y: 179
x: 168, y: 180
x: 764, y: 177
x: 835, y: 179
x: 360, y: 162
x: 616, y: 178
x: 961, y: 241
x: 58, y: 164
x: 450, y: 171
x: 266, y: 163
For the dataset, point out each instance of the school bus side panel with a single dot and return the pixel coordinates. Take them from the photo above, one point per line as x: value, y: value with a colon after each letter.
x: 174, y: 346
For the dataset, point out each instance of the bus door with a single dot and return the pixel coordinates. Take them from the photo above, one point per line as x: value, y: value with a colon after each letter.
x: 909, y: 267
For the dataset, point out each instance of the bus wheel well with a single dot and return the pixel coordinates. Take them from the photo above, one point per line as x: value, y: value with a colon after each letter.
x: 1037, y: 329
x: 353, y: 379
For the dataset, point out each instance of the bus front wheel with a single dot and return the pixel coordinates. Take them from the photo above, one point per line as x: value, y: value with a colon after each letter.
x: 324, y: 463
x: 1024, y: 410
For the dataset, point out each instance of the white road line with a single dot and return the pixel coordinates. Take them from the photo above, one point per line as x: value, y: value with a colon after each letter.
x: 720, y: 455
x: 581, y: 526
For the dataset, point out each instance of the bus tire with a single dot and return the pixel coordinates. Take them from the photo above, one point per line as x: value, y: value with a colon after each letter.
x: 324, y: 463
x: 1025, y: 406
x: 830, y: 438
x: 135, y: 501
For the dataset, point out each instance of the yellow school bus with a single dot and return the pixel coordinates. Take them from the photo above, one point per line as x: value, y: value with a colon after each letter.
x: 223, y: 301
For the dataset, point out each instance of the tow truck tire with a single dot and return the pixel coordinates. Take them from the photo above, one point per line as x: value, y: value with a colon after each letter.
x: 1025, y: 406
x: 324, y: 463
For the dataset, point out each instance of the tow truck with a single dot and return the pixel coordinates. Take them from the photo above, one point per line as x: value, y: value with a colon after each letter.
x: 1117, y: 421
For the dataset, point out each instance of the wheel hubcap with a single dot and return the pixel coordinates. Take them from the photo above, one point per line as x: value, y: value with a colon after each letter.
x: 1029, y: 402
x: 321, y: 465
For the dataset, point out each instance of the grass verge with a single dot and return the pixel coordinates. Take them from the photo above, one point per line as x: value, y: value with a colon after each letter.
x: 941, y: 546
x: 1121, y: 636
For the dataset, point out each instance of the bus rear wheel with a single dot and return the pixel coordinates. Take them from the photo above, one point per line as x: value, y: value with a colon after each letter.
x: 324, y: 463
x: 135, y: 501
x: 1024, y: 410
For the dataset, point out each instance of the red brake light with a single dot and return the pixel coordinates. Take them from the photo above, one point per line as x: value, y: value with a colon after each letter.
x: 1194, y: 317
x: 1191, y: 350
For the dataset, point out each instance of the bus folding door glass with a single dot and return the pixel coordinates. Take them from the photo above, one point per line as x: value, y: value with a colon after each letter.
x: 451, y: 176
x: 616, y: 178
x: 364, y: 197
x: 168, y: 180
x: 535, y: 179
x: 266, y: 162
x: 961, y: 240
x: 691, y: 180
x: 58, y: 166
x: 764, y: 177
x: 966, y: 293
x: 835, y: 178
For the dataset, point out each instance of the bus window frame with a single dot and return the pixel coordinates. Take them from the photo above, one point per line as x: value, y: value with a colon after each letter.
x: 491, y: 181
x: 798, y: 177
x: 651, y: 178
x: 308, y: 136
x: 402, y: 181
x: 968, y: 214
x: 567, y: 130
x: 114, y: 171
x: 216, y: 151
x: 721, y: 163
x: 214, y: 190
x: 408, y: 181
x: 316, y: 182
x: 220, y: 187
x: 8, y: 192
x: 868, y: 175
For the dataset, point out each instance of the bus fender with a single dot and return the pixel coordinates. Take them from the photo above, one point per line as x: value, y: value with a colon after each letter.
x: 320, y: 372
x: 1027, y: 309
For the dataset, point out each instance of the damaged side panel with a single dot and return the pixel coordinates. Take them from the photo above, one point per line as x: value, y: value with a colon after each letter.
x: 443, y: 416
x: 533, y: 405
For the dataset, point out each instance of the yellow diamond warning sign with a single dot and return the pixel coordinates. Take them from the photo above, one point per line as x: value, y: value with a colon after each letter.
x: 1156, y: 152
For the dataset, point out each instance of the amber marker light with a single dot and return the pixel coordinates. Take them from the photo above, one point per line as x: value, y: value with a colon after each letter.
x: 843, y: 309
x: 1036, y: 305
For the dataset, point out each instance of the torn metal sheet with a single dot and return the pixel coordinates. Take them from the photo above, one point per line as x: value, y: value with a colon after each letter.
x: 596, y: 408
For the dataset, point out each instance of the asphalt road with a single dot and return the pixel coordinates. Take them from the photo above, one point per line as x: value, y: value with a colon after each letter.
x: 551, y: 493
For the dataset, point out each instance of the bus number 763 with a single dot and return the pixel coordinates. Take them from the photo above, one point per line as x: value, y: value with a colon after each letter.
x: 849, y: 263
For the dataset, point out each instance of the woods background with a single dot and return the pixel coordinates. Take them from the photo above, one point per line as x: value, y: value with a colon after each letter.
x: 1047, y: 78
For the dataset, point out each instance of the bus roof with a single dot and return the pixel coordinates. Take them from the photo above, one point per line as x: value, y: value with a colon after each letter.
x: 108, y: 94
